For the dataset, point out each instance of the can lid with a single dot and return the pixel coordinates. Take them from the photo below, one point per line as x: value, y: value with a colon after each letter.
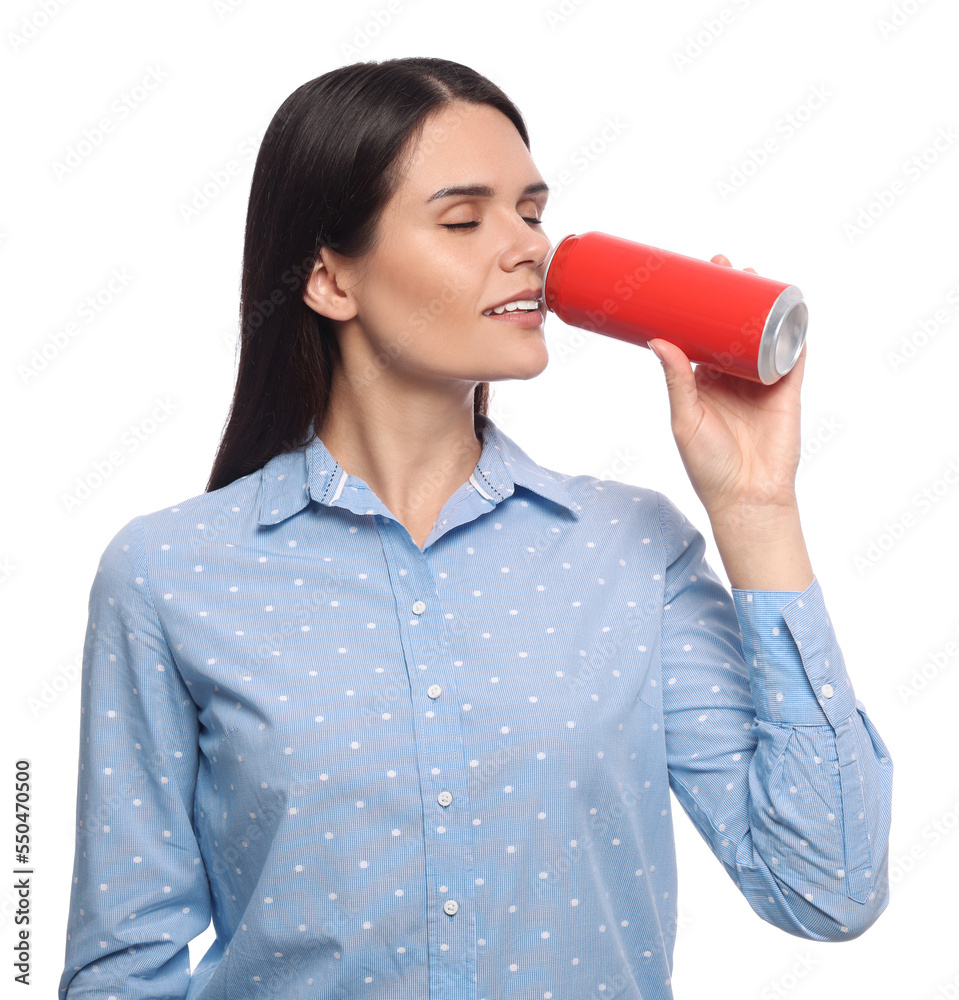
x: 783, y: 336
x: 792, y: 336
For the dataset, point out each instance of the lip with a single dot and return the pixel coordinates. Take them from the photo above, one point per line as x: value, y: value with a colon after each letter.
x: 526, y: 293
x: 532, y: 319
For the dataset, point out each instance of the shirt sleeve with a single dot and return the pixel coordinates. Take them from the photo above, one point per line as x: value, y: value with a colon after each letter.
x: 139, y: 891
x: 768, y: 751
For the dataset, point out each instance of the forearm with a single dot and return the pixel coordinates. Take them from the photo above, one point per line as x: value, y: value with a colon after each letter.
x: 814, y: 858
x: 762, y: 548
x: 790, y: 783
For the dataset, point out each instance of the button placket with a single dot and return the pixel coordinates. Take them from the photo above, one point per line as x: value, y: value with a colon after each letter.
x: 439, y: 737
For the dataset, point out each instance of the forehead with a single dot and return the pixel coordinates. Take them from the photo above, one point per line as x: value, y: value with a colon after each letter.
x: 466, y: 144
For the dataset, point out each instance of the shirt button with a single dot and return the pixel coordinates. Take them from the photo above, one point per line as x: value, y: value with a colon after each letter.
x: 434, y: 690
x: 827, y: 691
x: 419, y: 607
x: 444, y: 798
x: 450, y: 906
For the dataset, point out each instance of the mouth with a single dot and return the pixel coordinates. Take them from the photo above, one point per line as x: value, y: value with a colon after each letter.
x: 528, y: 300
x: 529, y: 318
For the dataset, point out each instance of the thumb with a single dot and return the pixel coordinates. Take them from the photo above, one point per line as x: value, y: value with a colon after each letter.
x: 684, y: 402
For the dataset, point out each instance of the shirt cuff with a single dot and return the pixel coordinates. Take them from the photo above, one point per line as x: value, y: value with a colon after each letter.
x: 796, y: 670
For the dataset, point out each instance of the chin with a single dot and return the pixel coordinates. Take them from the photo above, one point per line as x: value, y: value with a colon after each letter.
x: 520, y: 365
x: 537, y: 360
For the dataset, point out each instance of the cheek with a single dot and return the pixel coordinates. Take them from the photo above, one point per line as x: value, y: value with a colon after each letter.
x: 425, y: 289
x: 435, y: 303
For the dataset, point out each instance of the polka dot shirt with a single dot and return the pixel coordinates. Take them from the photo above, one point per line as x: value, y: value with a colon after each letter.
x: 386, y: 771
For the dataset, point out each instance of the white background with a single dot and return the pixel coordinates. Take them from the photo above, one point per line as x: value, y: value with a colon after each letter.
x: 878, y: 430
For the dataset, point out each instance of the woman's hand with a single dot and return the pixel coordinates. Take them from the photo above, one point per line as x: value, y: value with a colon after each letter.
x: 740, y: 442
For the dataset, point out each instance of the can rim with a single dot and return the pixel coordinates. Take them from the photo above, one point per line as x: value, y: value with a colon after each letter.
x: 787, y: 319
x: 549, y: 258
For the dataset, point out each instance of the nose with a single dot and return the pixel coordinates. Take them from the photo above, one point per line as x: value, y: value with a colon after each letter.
x: 527, y: 244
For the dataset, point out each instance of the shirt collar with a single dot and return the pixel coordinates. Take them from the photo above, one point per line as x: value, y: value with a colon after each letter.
x: 290, y: 480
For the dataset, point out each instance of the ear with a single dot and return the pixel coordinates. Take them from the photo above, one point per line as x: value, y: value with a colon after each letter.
x: 327, y: 289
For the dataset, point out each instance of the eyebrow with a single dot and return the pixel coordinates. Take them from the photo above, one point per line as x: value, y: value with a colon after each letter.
x: 484, y: 191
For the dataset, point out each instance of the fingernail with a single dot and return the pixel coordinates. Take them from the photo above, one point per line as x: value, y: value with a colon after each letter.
x: 656, y: 352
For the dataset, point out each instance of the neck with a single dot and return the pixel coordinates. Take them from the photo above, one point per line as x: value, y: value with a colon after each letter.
x: 413, y: 446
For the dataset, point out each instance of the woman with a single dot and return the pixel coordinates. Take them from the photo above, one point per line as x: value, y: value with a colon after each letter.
x: 398, y: 708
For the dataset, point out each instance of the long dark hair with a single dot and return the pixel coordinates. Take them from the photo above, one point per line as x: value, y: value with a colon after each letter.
x: 325, y: 170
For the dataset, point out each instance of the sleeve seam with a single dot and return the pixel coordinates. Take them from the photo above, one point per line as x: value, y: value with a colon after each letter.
x: 667, y: 560
x: 663, y: 536
x: 826, y: 728
x: 138, y: 530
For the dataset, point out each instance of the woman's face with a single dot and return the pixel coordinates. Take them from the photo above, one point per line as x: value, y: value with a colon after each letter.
x: 417, y: 301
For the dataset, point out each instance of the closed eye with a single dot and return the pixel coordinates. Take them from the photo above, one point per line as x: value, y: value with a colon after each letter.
x: 473, y: 225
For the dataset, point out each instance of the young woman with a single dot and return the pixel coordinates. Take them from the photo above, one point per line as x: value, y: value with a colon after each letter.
x: 398, y: 708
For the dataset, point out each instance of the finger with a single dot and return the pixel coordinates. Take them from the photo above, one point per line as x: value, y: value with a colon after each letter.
x: 720, y: 259
x: 750, y: 269
x: 684, y: 404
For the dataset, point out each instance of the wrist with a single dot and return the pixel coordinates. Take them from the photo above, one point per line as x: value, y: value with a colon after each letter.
x: 766, y: 515
x: 762, y: 547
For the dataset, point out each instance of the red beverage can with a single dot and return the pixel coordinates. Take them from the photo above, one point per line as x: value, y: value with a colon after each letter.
x: 730, y: 320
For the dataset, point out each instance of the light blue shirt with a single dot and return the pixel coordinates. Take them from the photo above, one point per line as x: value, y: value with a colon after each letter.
x: 387, y: 772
